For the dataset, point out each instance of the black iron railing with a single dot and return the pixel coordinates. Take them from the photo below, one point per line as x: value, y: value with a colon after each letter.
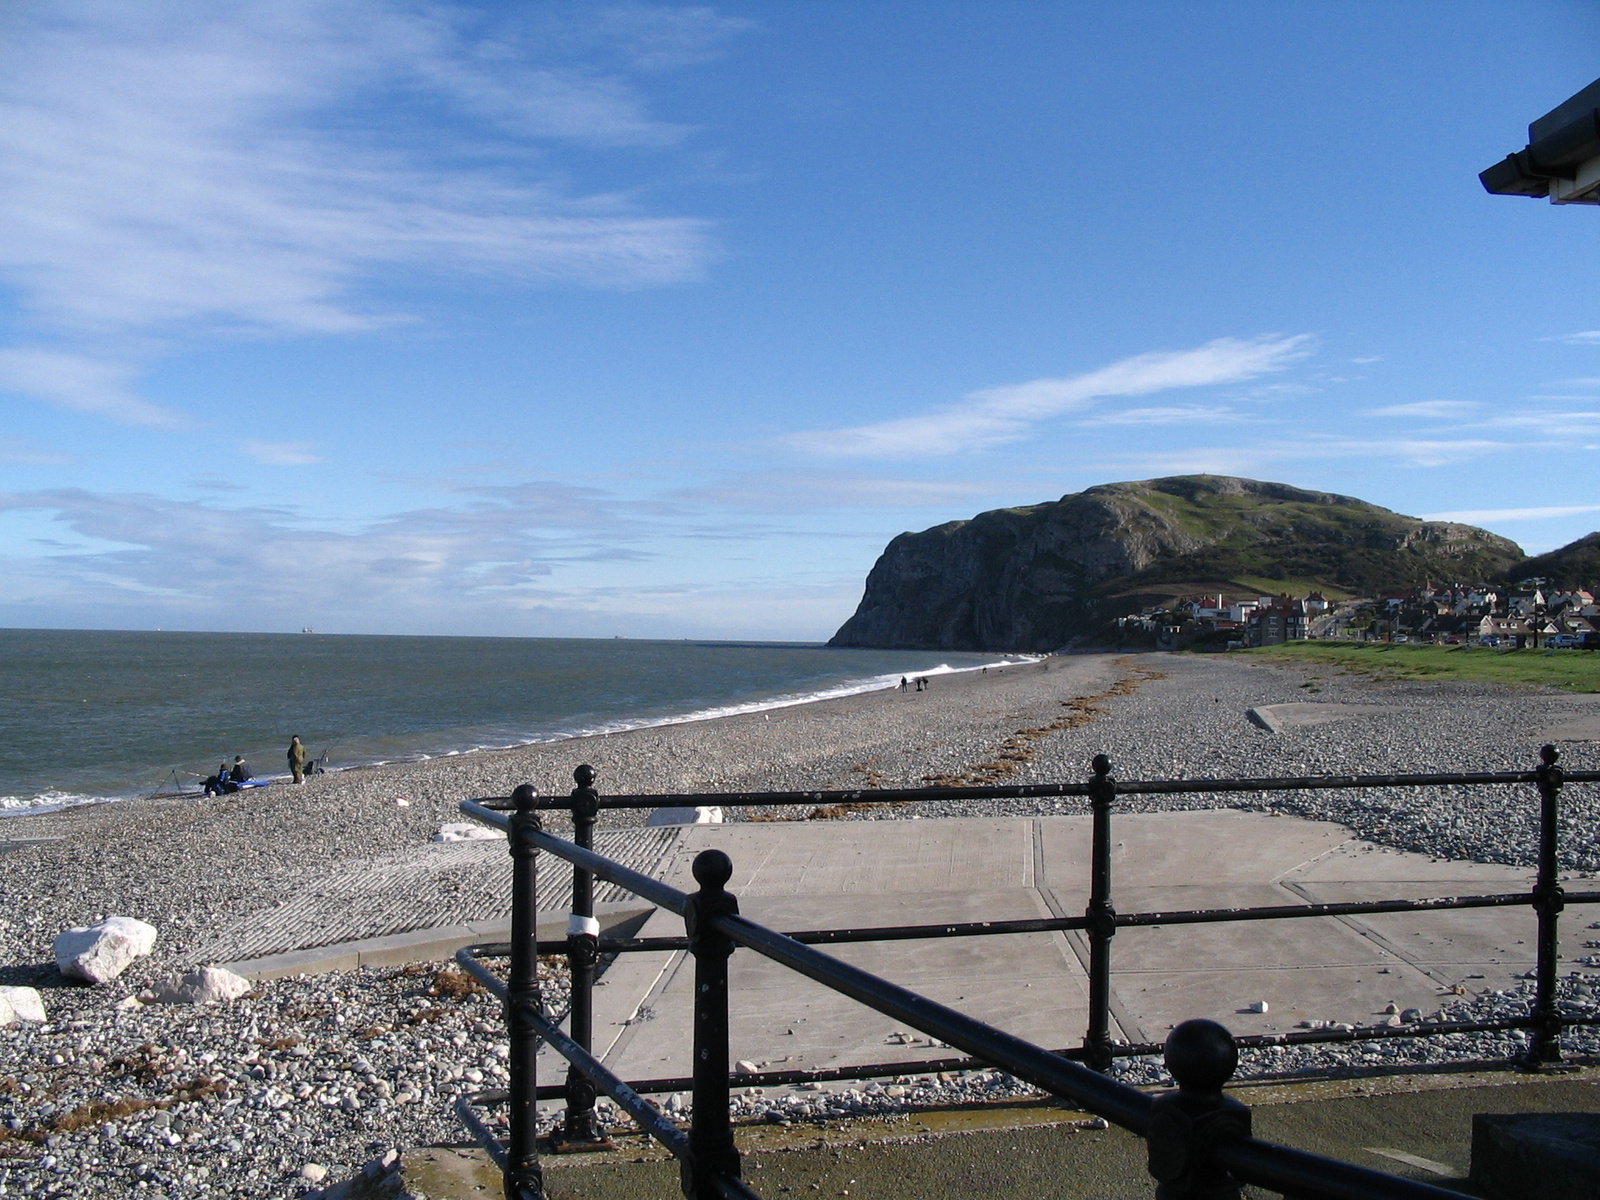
x: 1196, y: 1135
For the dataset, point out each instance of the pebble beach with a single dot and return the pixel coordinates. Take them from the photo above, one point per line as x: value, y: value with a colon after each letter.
x: 297, y: 1084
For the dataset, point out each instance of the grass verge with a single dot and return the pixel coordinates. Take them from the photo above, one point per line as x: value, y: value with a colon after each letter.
x: 1570, y: 670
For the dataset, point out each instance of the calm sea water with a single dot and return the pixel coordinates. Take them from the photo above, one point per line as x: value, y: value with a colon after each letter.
x: 88, y: 715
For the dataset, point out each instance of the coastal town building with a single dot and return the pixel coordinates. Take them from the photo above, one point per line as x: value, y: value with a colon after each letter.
x: 1528, y: 616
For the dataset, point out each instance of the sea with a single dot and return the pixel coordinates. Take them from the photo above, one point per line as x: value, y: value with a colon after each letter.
x: 91, y: 716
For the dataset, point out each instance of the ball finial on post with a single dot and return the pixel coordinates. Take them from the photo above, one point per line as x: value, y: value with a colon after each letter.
x: 1101, y: 765
x: 524, y: 797
x: 712, y: 870
x: 1549, y: 755
x: 583, y: 776
x: 1201, y: 1055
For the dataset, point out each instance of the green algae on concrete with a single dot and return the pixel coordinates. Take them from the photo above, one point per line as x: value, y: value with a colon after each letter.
x: 1415, y: 1126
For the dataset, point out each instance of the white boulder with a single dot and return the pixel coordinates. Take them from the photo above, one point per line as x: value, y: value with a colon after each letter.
x: 685, y: 816
x: 23, y: 1003
x: 208, y: 985
x: 99, y: 953
x: 467, y: 831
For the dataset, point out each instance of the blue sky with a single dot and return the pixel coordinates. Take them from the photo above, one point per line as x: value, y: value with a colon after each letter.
x: 661, y: 320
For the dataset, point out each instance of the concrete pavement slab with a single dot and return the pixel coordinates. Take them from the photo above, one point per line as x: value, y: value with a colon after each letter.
x: 1300, y: 714
x: 827, y: 874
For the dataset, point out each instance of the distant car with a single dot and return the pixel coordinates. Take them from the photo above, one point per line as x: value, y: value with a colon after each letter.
x: 1489, y: 640
x: 1563, y: 641
x: 1400, y: 637
x: 1452, y: 641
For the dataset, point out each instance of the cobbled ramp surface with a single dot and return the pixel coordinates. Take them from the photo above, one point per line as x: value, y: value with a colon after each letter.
x: 433, y: 886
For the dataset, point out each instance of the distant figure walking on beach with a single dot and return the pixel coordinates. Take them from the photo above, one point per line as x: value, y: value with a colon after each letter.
x: 241, y: 770
x: 902, y: 683
x: 297, y: 759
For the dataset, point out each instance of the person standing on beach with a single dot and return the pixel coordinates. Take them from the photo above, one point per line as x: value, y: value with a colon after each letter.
x: 297, y: 759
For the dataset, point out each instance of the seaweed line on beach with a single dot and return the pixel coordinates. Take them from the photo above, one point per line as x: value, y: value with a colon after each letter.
x: 1019, y: 749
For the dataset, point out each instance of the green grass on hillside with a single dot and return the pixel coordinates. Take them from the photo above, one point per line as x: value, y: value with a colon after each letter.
x: 1570, y: 670
x: 1295, y: 587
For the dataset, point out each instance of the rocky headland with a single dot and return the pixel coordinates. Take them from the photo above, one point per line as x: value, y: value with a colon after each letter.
x: 1039, y: 577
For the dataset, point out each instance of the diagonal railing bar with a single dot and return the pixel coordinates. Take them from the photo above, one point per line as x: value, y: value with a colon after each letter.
x: 1104, y: 1097
x: 601, y: 867
x: 1262, y: 1162
x: 650, y: 1119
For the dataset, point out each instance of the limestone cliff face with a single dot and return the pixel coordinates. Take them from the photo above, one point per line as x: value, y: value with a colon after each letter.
x: 1034, y: 578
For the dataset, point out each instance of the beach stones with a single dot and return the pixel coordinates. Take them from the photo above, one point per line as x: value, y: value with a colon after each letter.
x: 208, y: 985
x: 380, y: 1179
x: 467, y: 831
x: 99, y: 953
x: 685, y: 816
x: 20, y: 1004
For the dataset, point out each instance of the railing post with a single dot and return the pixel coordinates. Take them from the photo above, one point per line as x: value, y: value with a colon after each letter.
x: 710, y: 1131
x: 1187, y: 1125
x: 524, y: 1179
x: 1548, y: 901
x: 581, y: 1130
x: 1101, y: 920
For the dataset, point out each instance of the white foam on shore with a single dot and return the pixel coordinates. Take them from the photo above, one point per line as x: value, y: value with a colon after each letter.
x: 48, y: 802
x: 876, y: 683
x: 55, y: 801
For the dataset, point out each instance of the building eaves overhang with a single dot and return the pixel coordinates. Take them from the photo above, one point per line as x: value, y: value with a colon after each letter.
x: 1562, y: 158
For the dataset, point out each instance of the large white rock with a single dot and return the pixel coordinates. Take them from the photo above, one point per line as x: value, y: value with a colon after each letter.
x: 99, y: 953
x: 685, y: 816
x: 467, y: 831
x: 208, y: 985
x: 25, y: 1003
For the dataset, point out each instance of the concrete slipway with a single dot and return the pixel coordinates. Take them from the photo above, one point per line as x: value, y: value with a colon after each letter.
x: 816, y: 874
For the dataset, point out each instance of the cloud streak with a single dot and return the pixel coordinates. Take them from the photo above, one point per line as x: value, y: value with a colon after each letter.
x: 1251, y: 459
x: 490, y: 542
x: 1429, y: 409
x: 1483, y: 516
x: 995, y: 416
x: 168, y: 171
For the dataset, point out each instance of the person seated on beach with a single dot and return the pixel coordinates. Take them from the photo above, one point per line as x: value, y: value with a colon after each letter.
x: 240, y: 771
x: 217, y: 784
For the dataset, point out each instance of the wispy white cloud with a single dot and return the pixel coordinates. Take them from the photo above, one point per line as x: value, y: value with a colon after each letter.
x: 1436, y: 409
x: 809, y: 491
x: 82, y: 383
x: 1178, y: 414
x: 537, y: 557
x: 1258, y: 457
x: 1485, y: 516
x: 487, y: 541
x: 1588, y: 337
x: 282, y: 454
x: 998, y: 415
x: 167, y: 170
x: 1550, y: 421
x: 25, y: 452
